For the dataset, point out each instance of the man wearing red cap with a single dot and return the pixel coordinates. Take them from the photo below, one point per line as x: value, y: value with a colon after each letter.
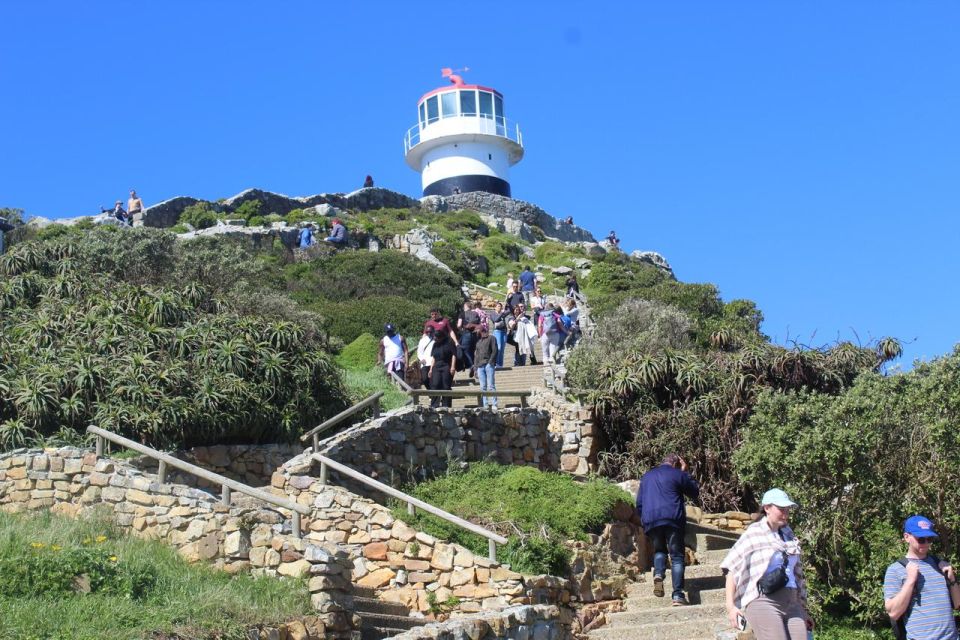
x: 920, y: 591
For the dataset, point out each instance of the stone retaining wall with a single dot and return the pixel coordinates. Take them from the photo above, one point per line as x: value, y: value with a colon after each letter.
x: 401, y: 564
x: 421, y: 442
x: 539, y: 622
x: 250, y: 464
x: 245, y: 536
x: 576, y: 425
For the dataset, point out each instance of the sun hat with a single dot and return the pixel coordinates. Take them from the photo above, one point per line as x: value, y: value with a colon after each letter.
x: 920, y: 527
x: 777, y: 497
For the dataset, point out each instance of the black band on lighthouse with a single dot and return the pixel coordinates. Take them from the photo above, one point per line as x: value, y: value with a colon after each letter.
x: 449, y: 186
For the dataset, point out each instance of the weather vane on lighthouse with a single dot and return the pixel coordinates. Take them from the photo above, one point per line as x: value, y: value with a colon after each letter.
x: 462, y: 141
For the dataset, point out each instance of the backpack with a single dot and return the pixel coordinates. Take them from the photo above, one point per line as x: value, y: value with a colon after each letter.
x: 567, y: 322
x: 484, y: 320
x: 899, y: 626
x: 550, y: 323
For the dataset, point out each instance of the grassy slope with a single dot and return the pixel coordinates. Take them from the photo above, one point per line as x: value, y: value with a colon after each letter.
x: 193, y: 601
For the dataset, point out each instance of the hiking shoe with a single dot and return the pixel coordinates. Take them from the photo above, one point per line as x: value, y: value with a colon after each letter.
x: 680, y: 602
x: 658, y: 586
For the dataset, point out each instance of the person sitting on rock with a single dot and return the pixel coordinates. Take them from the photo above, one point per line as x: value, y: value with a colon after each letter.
x: 613, y: 239
x: 368, y: 183
x: 306, y: 236
x: 119, y: 213
x: 338, y: 234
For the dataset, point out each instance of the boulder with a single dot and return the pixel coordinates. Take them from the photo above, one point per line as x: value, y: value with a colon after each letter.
x: 561, y: 271
x: 653, y: 258
x: 165, y: 214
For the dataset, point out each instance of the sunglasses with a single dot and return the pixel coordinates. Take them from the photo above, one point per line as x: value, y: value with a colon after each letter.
x: 923, y: 540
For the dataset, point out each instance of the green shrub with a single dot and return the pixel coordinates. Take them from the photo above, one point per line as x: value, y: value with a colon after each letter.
x: 349, y: 319
x: 247, y: 210
x: 257, y: 221
x: 361, y: 354
x: 459, y: 259
x: 179, y: 228
x: 545, y: 507
x: 858, y: 464
x: 200, y: 216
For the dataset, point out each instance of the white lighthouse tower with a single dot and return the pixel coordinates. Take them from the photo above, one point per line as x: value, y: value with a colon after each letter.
x: 462, y: 141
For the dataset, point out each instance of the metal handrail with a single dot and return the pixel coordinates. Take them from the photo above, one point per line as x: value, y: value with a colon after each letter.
x: 413, y: 504
x: 502, y: 294
x: 227, y: 484
x: 467, y: 393
x: 492, y: 126
x: 363, y: 404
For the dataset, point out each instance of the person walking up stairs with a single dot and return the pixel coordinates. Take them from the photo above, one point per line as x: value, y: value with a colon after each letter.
x: 649, y: 617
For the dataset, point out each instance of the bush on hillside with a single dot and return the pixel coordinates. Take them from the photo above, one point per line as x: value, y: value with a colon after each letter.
x: 171, y: 366
x: 460, y: 259
x: 546, y: 508
x: 247, y: 210
x: 859, y: 463
x: 200, y: 216
x: 349, y: 319
x: 361, y: 354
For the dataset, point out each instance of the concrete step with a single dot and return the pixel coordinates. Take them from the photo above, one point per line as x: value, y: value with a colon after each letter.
x: 363, y: 606
x: 668, y: 614
x: 379, y: 633
x: 712, y: 542
x: 680, y: 630
x: 712, y: 557
x: 643, y: 600
x: 693, y: 571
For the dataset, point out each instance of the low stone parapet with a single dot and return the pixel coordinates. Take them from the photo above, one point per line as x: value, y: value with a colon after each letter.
x: 537, y: 622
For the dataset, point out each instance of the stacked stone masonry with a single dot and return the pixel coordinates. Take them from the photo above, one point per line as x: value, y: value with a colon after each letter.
x: 250, y: 464
x: 241, y: 537
x: 538, y: 622
x: 401, y: 564
x: 575, y: 425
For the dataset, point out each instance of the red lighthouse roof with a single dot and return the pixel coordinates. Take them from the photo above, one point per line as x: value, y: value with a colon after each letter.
x: 456, y: 82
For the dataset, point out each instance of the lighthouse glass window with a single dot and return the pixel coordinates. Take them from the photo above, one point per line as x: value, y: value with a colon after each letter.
x: 498, y: 109
x: 486, y: 105
x: 448, y: 104
x: 468, y: 103
x: 433, y: 114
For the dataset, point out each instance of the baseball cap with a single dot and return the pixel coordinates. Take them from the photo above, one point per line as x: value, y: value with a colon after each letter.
x: 919, y: 526
x: 389, y: 327
x: 777, y: 497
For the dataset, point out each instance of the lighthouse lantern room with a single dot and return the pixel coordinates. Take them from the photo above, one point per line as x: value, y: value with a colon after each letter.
x: 462, y: 141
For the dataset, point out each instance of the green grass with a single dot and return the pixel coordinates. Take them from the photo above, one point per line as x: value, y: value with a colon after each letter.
x: 363, y: 383
x: 147, y: 589
x: 838, y: 629
x: 546, y: 508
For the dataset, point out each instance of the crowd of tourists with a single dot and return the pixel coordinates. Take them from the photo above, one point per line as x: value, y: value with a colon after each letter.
x: 476, y: 341
x: 764, y: 582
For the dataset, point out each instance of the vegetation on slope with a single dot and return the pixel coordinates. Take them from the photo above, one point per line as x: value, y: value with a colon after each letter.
x: 165, y: 342
x: 70, y: 579
x: 535, y: 510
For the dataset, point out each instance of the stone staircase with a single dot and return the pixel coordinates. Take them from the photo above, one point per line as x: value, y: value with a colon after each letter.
x: 647, y: 617
x: 381, y: 619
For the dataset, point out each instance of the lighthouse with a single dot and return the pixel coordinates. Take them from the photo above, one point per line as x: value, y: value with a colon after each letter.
x: 462, y: 141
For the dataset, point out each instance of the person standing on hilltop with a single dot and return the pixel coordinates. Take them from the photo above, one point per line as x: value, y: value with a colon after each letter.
x: 662, y: 512
x: 920, y: 591
x: 134, y: 205
x: 368, y: 182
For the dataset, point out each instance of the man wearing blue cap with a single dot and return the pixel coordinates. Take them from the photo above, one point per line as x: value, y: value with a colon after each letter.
x: 920, y: 591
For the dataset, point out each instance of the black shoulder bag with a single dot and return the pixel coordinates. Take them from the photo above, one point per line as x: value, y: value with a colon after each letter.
x: 773, y: 581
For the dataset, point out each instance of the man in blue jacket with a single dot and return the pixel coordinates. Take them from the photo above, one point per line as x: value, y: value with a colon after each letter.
x: 664, y: 518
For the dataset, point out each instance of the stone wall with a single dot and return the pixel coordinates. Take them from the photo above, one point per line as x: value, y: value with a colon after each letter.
x: 575, y: 425
x: 244, y: 536
x: 420, y: 442
x: 401, y: 564
x: 536, y: 622
x: 250, y: 464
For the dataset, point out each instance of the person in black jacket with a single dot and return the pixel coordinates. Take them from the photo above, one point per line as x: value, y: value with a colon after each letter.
x: 444, y: 365
x: 664, y: 518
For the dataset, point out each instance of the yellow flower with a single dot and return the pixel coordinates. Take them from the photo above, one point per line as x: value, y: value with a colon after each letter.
x: 113, y: 558
x: 37, y: 545
x: 87, y: 541
x: 101, y: 538
x: 56, y: 547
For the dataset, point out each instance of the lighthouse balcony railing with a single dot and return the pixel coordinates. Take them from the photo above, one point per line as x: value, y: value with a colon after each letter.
x: 462, y: 124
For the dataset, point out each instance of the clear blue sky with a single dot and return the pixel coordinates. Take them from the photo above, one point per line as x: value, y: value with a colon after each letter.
x: 803, y: 155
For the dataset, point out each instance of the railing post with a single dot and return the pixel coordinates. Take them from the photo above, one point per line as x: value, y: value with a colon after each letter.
x: 323, y: 473
x: 316, y: 442
x: 296, y: 525
x: 376, y: 408
x: 411, y: 510
x: 492, y: 549
x: 523, y: 402
x: 225, y: 495
x: 99, y: 446
x: 162, y: 472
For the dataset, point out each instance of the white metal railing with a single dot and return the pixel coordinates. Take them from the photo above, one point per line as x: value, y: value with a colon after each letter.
x: 493, y: 539
x: 486, y: 125
x: 227, y: 484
